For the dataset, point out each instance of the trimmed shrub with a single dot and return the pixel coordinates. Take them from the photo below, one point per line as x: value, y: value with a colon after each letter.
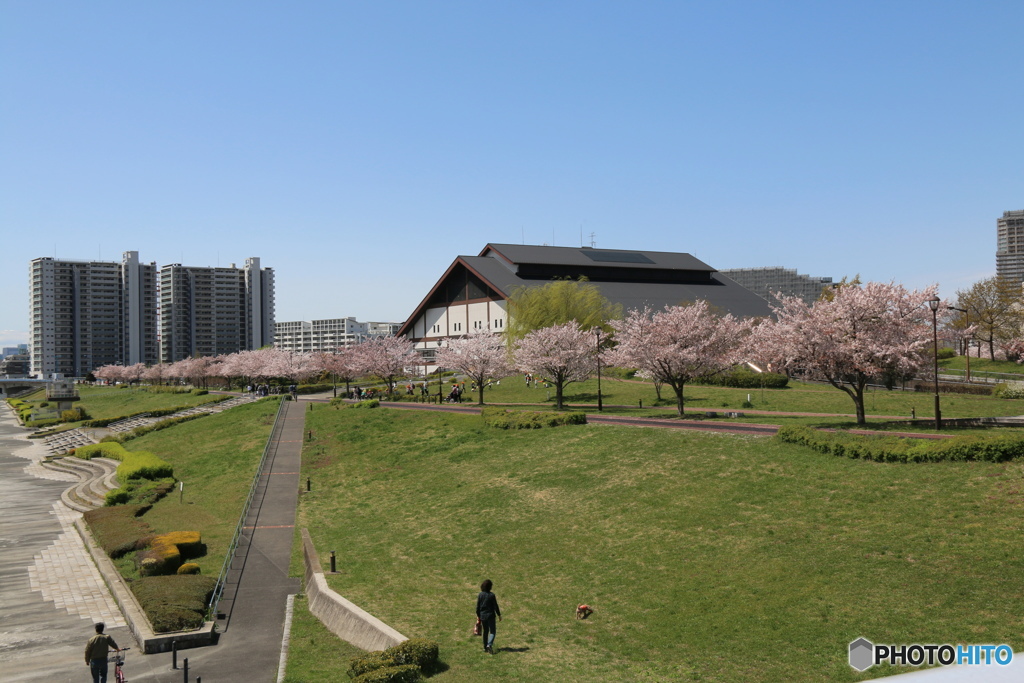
x: 199, y: 392
x: 419, y: 651
x: 189, y: 568
x: 161, y: 412
x: 989, y: 448
x: 40, y: 423
x: 313, y: 388
x: 134, y: 464
x: 140, y: 492
x: 174, y: 603
x: 73, y: 415
x: 371, y: 661
x: 620, y: 373
x: 372, y: 403
x: 337, y: 401
x: 116, y: 497
x: 946, y: 353
x: 406, y: 673
x: 506, y: 419
x: 122, y: 437
x: 119, y: 530
x: 1009, y: 390
x: 950, y: 388
x: 165, y: 552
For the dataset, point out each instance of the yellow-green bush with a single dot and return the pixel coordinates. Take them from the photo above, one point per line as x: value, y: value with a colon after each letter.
x: 189, y: 568
x: 134, y: 464
x: 165, y: 551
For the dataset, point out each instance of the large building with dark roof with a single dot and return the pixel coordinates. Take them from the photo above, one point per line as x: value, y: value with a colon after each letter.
x: 472, y: 293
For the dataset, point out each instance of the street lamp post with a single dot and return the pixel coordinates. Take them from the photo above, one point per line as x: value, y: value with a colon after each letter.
x: 597, y: 333
x: 933, y: 303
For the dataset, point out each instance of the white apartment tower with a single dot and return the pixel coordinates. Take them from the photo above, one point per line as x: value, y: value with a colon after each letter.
x: 85, y: 314
x: 1010, y: 246
x: 212, y: 311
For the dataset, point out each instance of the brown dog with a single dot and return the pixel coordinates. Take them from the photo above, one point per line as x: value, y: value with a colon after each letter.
x: 583, y: 611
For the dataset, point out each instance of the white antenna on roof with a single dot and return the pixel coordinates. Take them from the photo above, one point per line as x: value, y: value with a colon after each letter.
x: 593, y: 242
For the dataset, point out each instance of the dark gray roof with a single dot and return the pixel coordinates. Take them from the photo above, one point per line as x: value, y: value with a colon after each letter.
x: 588, y: 256
x: 721, y: 292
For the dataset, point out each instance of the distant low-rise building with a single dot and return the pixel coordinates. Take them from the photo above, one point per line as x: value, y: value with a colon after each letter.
x: 305, y: 336
x: 767, y: 282
x: 15, y: 365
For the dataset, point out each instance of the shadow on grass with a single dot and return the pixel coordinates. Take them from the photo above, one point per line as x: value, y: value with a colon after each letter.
x: 513, y: 649
x: 438, y: 667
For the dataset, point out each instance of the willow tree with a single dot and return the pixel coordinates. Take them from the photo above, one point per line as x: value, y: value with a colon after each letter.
x: 556, y: 303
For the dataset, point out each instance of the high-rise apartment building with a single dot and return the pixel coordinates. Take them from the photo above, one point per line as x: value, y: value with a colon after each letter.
x: 212, y: 311
x: 1010, y: 246
x: 85, y: 314
x: 766, y: 282
x: 302, y: 336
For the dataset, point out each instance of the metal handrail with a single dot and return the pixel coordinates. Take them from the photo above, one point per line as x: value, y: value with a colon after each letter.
x: 218, y: 592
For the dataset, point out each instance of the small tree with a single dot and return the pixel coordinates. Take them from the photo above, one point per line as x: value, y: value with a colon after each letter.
x: 480, y: 355
x: 679, y: 344
x: 565, y: 353
x: 556, y: 303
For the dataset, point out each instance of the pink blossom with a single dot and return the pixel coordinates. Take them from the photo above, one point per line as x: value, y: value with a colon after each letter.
x: 563, y: 353
x: 480, y: 355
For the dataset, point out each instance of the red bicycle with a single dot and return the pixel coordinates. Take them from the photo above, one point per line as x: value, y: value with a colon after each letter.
x: 118, y: 660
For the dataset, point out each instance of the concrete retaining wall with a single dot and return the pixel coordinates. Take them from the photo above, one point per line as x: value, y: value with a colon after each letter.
x: 341, y: 617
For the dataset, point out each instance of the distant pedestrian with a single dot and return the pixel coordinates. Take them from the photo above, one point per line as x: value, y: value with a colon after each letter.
x: 96, y: 653
x: 486, y: 610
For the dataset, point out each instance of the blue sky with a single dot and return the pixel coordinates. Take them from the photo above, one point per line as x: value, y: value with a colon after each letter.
x: 357, y: 148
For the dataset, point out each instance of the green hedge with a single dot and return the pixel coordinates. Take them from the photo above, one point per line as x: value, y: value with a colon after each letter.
x: 119, y: 530
x: 505, y: 419
x: 990, y: 448
x: 176, y: 602
x: 134, y: 464
x: 742, y: 378
x: 403, y: 662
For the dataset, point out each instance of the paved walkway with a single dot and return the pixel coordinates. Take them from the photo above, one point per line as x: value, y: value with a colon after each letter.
x: 258, y: 584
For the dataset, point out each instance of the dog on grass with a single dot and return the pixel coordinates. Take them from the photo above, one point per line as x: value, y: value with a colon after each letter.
x: 583, y: 611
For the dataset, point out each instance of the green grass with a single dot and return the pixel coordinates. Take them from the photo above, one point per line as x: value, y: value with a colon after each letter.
x: 318, y: 656
x: 216, y: 458
x: 983, y: 365
x: 706, y: 557
x: 797, y: 398
x: 105, y: 402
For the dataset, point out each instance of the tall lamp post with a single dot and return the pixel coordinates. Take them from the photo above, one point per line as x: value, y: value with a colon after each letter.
x: 933, y: 303
x: 597, y: 333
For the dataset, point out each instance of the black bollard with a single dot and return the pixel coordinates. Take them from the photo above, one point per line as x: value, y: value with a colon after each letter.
x: 308, y: 485
x: 174, y: 654
x: 334, y: 568
x: 641, y: 403
x: 186, y: 669
x: 199, y: 679
x: 310, y: 407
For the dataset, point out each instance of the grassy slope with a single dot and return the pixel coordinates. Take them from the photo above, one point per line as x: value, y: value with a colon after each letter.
x: 706, y: 557
x: 216, y: 458
x: 105, y: 402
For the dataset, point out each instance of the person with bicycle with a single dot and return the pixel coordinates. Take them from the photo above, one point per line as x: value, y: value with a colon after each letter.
x: 96, y: 653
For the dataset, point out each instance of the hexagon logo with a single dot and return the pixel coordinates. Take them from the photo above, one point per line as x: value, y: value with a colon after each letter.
x: 862, y: 654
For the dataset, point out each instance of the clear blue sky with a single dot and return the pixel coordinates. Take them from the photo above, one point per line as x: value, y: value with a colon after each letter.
x: 358, y: 147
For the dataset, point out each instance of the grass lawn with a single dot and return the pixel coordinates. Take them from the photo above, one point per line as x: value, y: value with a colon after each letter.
x: 706, y: 557
x: 104, y: 402
x: 216, y: 457
x: 797, y: 397
x: 317, y: 654
x: 983, y: 365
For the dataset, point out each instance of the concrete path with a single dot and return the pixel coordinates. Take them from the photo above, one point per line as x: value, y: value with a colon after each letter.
x: 51, y: 593
x: 258, y: 584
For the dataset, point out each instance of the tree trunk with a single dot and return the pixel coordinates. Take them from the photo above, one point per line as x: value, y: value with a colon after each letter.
x: 858, y: 401
x: 558, y: 394
x: 679, y: 398
x: 657, y: 390
x: 480, y: 385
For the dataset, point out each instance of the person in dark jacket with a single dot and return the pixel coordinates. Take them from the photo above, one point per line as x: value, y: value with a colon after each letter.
x: 487, y: 609
x: 96, y: 653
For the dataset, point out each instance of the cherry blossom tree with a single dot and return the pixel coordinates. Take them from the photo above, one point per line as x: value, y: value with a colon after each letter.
x: 345, y: 365
x: 679, y: 344
x: 863, y: 332
x: 564, y: 353
x: 133, y: 373
x: 109, y: 373
x: 154, y: 374
x: 480, y: 355
x: 387, y: 357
